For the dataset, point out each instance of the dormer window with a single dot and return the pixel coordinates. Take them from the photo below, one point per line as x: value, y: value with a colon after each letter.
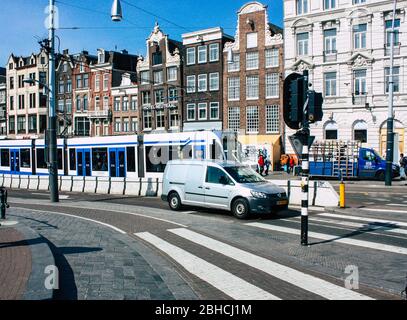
x: 11, y: 66
x: 101, y: 57
x: 31, y: 61
x: 21, y: 63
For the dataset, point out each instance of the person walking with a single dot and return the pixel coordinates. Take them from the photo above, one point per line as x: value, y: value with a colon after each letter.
x: 403, y: 166
x: 267, y: 164
x: 261, y: 163
x: 292, y: 163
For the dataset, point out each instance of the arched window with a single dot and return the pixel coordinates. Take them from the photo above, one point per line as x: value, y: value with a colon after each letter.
x: 360, y: 131
x: 331, y: 130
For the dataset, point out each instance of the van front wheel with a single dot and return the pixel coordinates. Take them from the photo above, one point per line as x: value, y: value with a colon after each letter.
x: 174, y: 201
x: 240, y: 209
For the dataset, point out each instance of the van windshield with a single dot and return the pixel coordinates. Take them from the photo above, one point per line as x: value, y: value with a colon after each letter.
x: 243, y: 174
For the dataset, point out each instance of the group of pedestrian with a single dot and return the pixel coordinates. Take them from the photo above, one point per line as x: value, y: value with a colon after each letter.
x: 403, y: 166
x: 287, y: 162
x: 263, y: 162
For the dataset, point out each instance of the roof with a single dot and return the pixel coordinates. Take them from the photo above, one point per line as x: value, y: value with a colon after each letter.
x: 275, y: 29
x: 2, y: 71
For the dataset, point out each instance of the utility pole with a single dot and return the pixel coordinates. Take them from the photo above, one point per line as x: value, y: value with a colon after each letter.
x: 52, y: 119
x: 390, y: 119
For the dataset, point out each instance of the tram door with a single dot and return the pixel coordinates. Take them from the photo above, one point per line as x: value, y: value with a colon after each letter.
x: 15, y: 161
x: 117, y: 162
x: 83, y: 160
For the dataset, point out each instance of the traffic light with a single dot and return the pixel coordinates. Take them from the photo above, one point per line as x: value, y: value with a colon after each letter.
x: 294, y: 99
x: 315, y: 101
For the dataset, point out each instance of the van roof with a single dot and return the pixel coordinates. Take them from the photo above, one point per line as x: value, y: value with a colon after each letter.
x: 221, y: 163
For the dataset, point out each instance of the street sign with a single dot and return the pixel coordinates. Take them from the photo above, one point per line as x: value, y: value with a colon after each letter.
x: 298, y: 140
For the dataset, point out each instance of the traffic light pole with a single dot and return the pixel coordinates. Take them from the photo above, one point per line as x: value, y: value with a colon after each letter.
x: 305, y: 167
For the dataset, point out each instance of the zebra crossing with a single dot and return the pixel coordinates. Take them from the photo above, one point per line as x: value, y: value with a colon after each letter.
x: 185, y: 247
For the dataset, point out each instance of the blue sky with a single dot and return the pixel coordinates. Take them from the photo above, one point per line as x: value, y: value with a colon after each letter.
x: 22, y: 21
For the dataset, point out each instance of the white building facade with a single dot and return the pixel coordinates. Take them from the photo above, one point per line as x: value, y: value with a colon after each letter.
x: 345, y: 46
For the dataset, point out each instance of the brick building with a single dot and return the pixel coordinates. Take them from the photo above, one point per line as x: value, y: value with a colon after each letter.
x: 203, y: 78
x: 252, y: 82
x: 3, y: 103
x: 160, y: 74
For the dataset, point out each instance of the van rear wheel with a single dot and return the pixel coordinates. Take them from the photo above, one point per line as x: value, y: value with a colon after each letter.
x: 174, y: 201
x: 241, y: 209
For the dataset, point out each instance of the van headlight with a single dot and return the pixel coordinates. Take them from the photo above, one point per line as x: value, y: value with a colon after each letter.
x: 260, y: 195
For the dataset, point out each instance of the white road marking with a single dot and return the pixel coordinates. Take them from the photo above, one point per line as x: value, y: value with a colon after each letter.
x: 329, y: 237
x: 343, y: 216
x: 224, y: 281
x: 305, y: 281
x: 73, y: 216
x: 383, y: 210
x: 396, y: 204
x: 61, y: 196
x: 311, y: 208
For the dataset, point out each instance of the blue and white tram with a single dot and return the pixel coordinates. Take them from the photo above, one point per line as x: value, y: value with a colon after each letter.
x: 129, y: 156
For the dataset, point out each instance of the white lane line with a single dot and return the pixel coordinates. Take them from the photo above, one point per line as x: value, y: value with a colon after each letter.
x: 61, y: 196
x: 305, y: 281
x: 343, y: 216
x: 353, y: 224
x: 383, y: 210
x: 396, y: 204
x: 311, y: 208
x: 224, y: 281
x: 73, y: 216
x: 329, y: 237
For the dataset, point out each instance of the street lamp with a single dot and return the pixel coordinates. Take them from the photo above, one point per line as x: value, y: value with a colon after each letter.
x: 117, y: 14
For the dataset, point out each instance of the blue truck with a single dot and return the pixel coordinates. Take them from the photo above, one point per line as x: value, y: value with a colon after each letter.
x: 347, y: 160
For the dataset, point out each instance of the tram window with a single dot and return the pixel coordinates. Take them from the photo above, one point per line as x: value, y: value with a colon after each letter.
x: 72, y: 159
x: 41, y: 163
x: 5, y: 157
x: 60, y: 161
x: 99, y: 159
x: 131, y: 159
x: 25, y: 159
x: 156, y: 158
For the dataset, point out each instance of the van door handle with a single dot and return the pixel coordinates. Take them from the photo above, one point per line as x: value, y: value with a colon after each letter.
x: 200, y: 187
x: 207, y: 188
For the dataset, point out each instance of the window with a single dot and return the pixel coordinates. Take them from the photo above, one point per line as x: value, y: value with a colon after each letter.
x: 302, y: 44
x: 65, y: 67
x: 272, y: 58
x: 68, y: 105
x: 202, y: 54
x: 234, y: 89
x: 33, y: 101
x: 235, y: 65
x: 72, y: 159
x: 234, y: 118
x: 214, y: 52
x: 5, y: 157
x: 131, y: 159
x: 78, y: 82
x: 158, y: 77
x: 217, y: 176
x: 78, y: 103
x: 252, y: 87
x: 146, y: 98
x: 359, y: 36
x: 214, y: 81
x: 105, y: 82
x: 389, y: 27
x: 126, y: 125
x: 61, y: 106
x: 25, y: 158
x: 172, y: 94
x: 159, y: 96
x: 252, y: 116
x: 81, y: 67
x: 251, y: 40
x: 329, y: 4
x: 11, y: 124
x: 147, y: 120
x: 42, y: 79
x: 97, y: 82
x: 160, y: 119
x: 145, y: 77
x: 20, y: 81
x: 61, y: 88
x: 272, y: 83
x: 101, y: 57
x: 191, y: 112
x: 125, y: 103
x: 21, y: 102
x: 32, y: 123
x: 97, y: 103
x: 21, y: 127
x: 86, y: 80
x: 202, y: 83
x: 174, y: 118
x: 106, y: 103
x: 99, y: 159
x: 331, y: 131
x: 358, y: 1
x: 11, y: 103
x: 43, y: 100
x: 302, y: 6
x: 272, y: 119
x: 134, y: 125
x: 133, y: 105
x: 330, y: 41
x: 214, y: 110
x: 191, y: 56
x: 116, y: 104
x: 157, y: 58
x: 330, y: 84
x: 396, y: 79
x: 41, y: 161
x: 202, y: 111
x: 360, y: 82
x: 85, y: 103
x: 252, y: 60
x: 117, y: 125
x: 172, y: 74
x: 191, y: 84
x: 11, y: 81
x: 69, y: 86
x: 360, y: 131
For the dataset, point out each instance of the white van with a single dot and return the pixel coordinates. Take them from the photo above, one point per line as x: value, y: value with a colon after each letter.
x: 222, y: 185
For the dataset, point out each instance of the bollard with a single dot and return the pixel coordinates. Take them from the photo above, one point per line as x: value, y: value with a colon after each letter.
x: 342, y: 195
x: 3, y: 205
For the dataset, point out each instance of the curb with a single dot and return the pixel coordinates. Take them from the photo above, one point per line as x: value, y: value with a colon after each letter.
x: 41, y: 257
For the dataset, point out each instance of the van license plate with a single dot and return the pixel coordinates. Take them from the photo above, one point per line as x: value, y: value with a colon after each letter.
x: 282, y: 203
